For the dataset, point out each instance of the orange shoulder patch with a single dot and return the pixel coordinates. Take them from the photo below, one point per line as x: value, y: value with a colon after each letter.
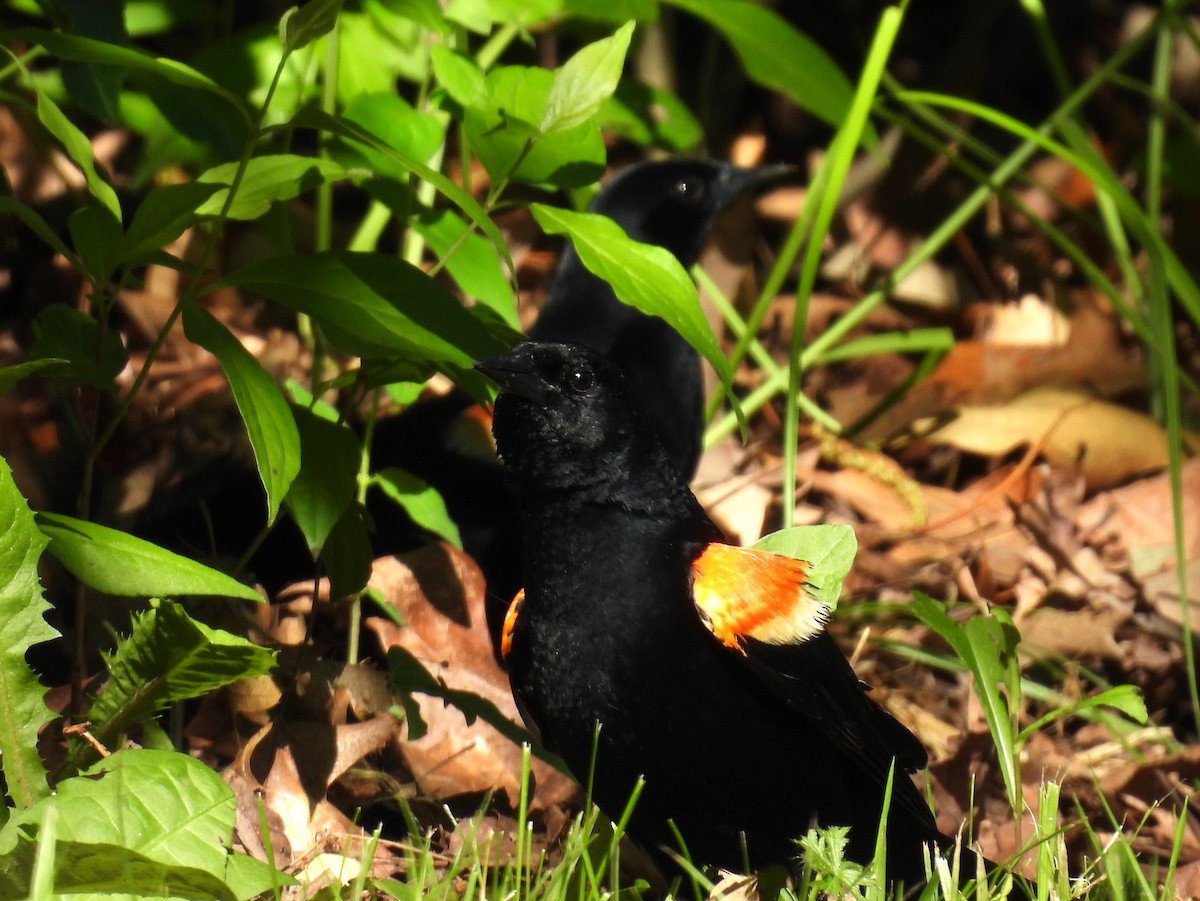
x: 743, y: 592
x: 510, y: 623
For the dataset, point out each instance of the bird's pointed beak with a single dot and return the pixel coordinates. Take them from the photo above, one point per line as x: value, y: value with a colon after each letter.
x: 516, y: 373
x: 758, y: 180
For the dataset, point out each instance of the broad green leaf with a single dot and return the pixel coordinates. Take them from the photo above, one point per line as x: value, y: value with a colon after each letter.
x: 471, y: 261
x: 167, y: 657
x: 162, y: 217
x: 612, y: 10
x: 419, y: 500
x: 778, y: 56
x: 156, y: 823
x: 392, y: 121
x: 310, y: 118
x: 22, y: 625
x: 377, y: 48
x: 827, y: 549
x: 10, y: 375
x: 97, y: 239
x: 79, y: 149
x: 426, y: 13
x: 642, y: 275
x: 330, y: 455
x: 75, y: 47
x: 373, y: 305
x: 64, y: 333
x: 459, y: 75
x: 116, y: 562
x: 269, y: 423
x: 34, y: 221
x: 347, y: 554
x: 267, y: 179
x: 504, y: 133
x: 300, y: 26
x: 584, y: 82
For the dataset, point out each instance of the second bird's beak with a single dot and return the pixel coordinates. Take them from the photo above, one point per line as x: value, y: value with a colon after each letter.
x: 516, y: 373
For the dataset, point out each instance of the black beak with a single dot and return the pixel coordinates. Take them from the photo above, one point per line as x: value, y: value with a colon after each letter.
x: 737, y: 181
x: 516, y: 373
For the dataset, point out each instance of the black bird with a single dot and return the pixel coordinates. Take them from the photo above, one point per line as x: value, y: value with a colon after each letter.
x: 671, y: 203
x: 706, y: 666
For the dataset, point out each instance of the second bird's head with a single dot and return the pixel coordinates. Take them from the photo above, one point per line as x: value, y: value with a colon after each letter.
x: 564, y: 414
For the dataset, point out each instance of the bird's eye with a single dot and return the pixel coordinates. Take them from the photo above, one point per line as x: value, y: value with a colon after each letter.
x: 581, y: 379
x: 690, y: 190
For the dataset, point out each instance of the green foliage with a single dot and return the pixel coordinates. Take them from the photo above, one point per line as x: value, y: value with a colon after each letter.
x: 828, y: 549
x: 22, y: 625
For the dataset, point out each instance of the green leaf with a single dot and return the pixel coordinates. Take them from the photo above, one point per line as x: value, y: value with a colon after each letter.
x: 471, y: 261
x: 650, y: 116
x: 267, y: 179
x: 778, y: 56
x: 97, y: 237
x: 64, y: 333
x: 22, y: 625
x: 270, y: 427
x: 828, y: 549
x: 35, y: 223
x: 347, y: 554
x: 156, y: 823
x: 373, y: 305
x: 459, y: 75
x: 116, y: 562
x: 300, y: 26
x: 169, y: 657
x: 585, y: 81
x: 161, y: 218
x: 504, y: 133
x: 79, y: 149
x: 644, y: 276
x: 328, y: 479
x: 322, y: 121
x: 987, y: 645
x: 75, y: 47
x: 402, y: 129
x: 420, y: 501
x: 10, y: 375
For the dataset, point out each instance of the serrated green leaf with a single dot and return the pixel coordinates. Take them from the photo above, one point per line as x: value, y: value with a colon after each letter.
x: 584, y: 82
x: 300, y: 26
x: 270, y: 426
x: 644, y: 276
x: 267, y: 179
x: 168, y: 657
x: 22, y: 625
x: 79, y: 149
x: 778, y: 56
x: 116, y: 562
x: 419, y: 500
x: 330, y: 455
x: 64, y: 333
x: 161, y: 217
x: 828, y: 549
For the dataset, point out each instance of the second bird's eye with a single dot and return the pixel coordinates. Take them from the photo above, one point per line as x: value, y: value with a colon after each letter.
x: 580, y: 380
x: 690, y: 190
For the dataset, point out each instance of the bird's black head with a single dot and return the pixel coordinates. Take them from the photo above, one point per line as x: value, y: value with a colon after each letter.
x: 673, y: 203
x: 565, y: 418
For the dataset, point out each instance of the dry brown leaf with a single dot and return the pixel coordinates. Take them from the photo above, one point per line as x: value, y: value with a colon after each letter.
x: 438, y: 591
x: 1108, y: 444
x: 1074, y: 633
x: 1140, y: 515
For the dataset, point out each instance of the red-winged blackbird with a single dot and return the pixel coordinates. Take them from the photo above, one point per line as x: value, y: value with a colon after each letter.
x: 707, y: 667
x: 671, y: 203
